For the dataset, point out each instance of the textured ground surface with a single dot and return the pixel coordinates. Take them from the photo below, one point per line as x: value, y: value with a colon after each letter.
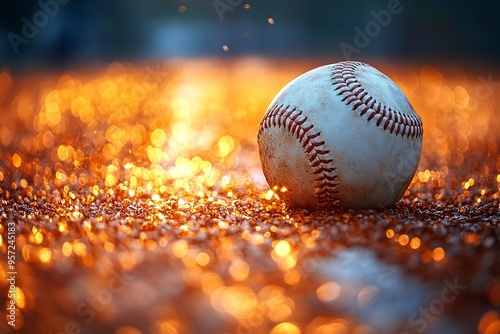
x: 139, y: 206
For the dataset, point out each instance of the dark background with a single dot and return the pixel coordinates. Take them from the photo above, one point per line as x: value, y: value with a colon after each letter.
x: 80, y: 33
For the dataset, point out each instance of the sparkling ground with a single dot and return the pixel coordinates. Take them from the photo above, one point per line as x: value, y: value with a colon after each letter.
x: 139, y: 206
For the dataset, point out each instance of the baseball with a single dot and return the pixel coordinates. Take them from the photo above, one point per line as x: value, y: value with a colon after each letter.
x: 340, y: 135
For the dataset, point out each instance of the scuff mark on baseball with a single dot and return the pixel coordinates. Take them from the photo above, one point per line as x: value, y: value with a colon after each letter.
x: 340, y: 135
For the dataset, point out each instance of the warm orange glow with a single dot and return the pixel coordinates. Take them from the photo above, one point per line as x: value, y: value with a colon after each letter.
x: 20, y: 298
x: 16, y: 160
x: 328, y: 291
x: 142, y: 185
x: 438, y: 254
x: 45, y: 254
x: 389, y: 233
x: 489, y: 323
x: 403, y: 240
x: 282, y: 248
x: 494, y: 293
x: 415, y: 243
x: 472, y: 238
x: 292, y: 277
x: 285, y: 328
x: 238, y: 301
x: 202, y: 259
x: 239, y: 270
x: 180, y: 248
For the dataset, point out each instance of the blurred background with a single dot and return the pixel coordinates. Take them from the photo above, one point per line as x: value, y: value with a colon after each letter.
x: 59, y: 34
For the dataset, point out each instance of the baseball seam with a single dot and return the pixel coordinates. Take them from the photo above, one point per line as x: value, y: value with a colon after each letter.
x: 297, y: 124
x: 352, y: 92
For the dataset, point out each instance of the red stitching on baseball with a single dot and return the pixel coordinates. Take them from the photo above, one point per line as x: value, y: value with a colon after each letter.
x: 324, y: 173
x: 344, y: 80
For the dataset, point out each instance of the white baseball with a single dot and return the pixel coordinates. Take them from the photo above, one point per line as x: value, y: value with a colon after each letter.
x: 340, y: 135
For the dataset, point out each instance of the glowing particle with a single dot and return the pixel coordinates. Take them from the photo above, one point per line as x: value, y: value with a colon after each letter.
x: 226, y: 180
x: 226, y: 145
x: 110, y: 181
x: 67, y: 249
x: 239, y: 270
x: 239, y: 301
x: 282, y: 248
x: 328, y: 291
x: 180, y: 248
x: 438, y: 254
x: 285, y: 328
x: 225, y: 47
x: 19, y: 297
x: 246, y: 6
x: 468, y: 184
x: 5, y: 136
x: 222, y: 224
x: 16, y: 160
x: 389, y: 233
x: 292, y: 277
x: 38, y: 238
x: 269, y: 194
x: 52, y: 114
x: 80, y: 249
x: 158, y: 137
x: 403, y: 240
x: 109, y: 247
x: 62, y: 227
x: 270, y: 20
x: 86, y: 225
x: 472, y: 238
x: 62, y: 152
x: 489, y: 323
x: 45, y: 254
x: 23, y: 183
x: 210, y: 282
x: 461, y: 97
x: 182, y: 9
x: 202, y: 259
x: 415, y: 243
